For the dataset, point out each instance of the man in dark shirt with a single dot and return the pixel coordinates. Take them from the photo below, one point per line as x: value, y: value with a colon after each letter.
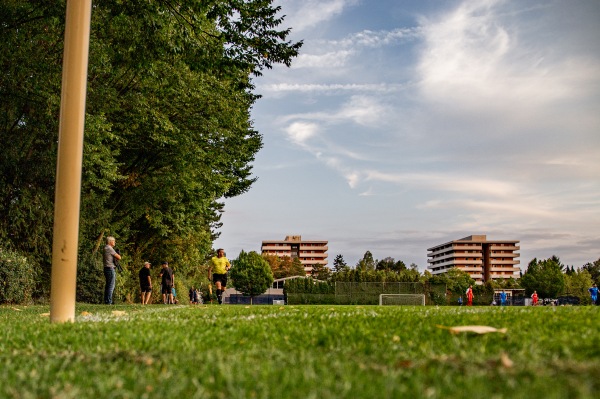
x: 145, y: 283
x: 167, y: 281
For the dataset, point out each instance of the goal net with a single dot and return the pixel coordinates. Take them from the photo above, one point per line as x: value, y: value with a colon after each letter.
x: 402, y: 299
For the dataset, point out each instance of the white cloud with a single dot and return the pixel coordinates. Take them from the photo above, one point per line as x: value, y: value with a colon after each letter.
x: 332, y: 88
x: 334, y: 54
x: 360, y: 109
x: 310, y: 13
x: 300, y: 132
x: 363, y: 110
x: 374, y: 39
x: 333, y: 59
x: 476, y: 58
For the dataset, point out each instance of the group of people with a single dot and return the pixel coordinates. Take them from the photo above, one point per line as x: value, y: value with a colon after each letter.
x: 167, y: 288
x: 534, y: 297
x: 219, y: 267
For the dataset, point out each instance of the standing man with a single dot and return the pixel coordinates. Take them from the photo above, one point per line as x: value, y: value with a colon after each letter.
x: 534, y: 298
x: 594, y: 293
x: 470, y: 296
x: 503, y: 298
x: 145, y: 283
x: 167, y: 281
x: 219, y: 266
x: 109, y: 257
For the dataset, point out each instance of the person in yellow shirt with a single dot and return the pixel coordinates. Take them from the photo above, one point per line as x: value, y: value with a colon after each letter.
x: 219, y: 266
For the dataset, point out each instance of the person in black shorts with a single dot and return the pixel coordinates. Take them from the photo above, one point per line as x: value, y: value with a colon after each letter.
x: 219, y: 266
x: 145, y: 283
x: 167, y: 281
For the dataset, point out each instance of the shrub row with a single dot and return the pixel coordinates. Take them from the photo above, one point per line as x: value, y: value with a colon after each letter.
x: 17, y: 278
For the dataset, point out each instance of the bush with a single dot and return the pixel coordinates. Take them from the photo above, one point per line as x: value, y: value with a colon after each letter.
x: 17, y: 278
x: 90, y: 278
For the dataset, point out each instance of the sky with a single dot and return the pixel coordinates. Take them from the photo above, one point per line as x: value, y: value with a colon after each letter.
x: 404, y: 124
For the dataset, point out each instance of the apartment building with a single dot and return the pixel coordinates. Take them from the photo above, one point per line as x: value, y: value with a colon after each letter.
x: 483, y: 259
x: 310, y: 253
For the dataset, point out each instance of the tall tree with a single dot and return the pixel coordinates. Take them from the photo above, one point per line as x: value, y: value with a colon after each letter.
x: 545, y: 277
x: 367, y: 262
x: 168, y: 130
x: 390, y: 264
x: 321, y: 272
x: 577, y: 284
x: 339, y: 264
x: 297, y: 268
x: 593, y: 268
x: 251, y: 274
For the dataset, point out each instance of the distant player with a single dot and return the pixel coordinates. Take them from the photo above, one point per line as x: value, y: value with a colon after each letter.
x: 594, y: 294
x: 534, y: 298
x: 219, y: 266
x: 503, y: 298
x: 470, y: 296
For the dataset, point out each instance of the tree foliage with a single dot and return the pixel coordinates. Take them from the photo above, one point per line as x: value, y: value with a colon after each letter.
x: 17, y: 277
x: 545, y: 277
x: 367, y: 262
x: 339, y: 264
x: 577, y: 284
x: 593, y: 268
x: 168, y: 130
x: 321, y: 272
x: 308, y: 285
x: 251, y: 274
x: 284, y: 266
x: 457, y: 281
x: 390, y: 263
x: 356, y: 275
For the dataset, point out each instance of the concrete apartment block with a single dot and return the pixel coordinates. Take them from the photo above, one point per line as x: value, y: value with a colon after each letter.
x: 483, y: 259
x: 310, y: 253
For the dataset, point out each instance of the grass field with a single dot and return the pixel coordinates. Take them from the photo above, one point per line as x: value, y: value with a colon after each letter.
x: 167, y: 351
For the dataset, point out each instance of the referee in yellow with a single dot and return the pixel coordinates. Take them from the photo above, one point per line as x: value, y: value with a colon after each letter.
x: 219, y: 266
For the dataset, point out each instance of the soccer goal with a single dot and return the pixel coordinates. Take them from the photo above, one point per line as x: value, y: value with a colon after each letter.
x: 402, y: 299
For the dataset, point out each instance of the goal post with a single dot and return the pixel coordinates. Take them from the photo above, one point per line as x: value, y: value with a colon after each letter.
x: 402, y: 299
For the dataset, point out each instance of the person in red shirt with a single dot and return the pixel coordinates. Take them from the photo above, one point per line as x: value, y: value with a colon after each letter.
x: 534, y: 298
x: 470, y: 296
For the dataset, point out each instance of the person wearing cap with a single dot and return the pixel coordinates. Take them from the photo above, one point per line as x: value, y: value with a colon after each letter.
x: 219, y: 266
x: 145, y: 283
x: 167, y: 281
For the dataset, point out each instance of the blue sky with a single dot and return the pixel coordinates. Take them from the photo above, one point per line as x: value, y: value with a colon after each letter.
x: 407, y: 124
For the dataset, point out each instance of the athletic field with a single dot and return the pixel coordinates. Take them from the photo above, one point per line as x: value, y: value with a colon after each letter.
x: 180, y: 351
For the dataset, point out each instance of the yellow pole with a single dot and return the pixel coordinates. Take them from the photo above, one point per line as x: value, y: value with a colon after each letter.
x: 68, y: 167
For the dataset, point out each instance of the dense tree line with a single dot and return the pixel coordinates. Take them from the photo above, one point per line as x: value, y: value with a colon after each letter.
x: 168, y: 130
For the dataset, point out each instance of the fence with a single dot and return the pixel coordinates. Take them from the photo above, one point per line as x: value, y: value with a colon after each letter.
x: 367, y: 293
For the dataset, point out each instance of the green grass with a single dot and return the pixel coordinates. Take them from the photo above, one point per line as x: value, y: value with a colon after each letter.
x: 322, y: 352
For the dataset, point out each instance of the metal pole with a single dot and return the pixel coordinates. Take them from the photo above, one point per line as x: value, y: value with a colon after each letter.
x: 68, y: 167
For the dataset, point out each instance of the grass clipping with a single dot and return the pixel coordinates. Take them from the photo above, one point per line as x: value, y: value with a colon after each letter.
x: 473, y: 329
